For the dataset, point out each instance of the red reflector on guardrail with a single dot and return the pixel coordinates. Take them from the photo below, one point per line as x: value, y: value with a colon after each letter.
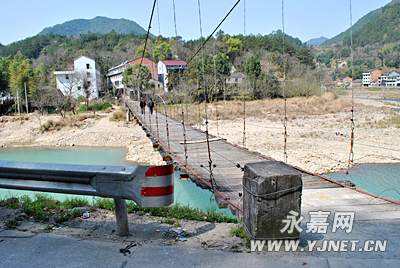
x: 158, y: 186
x: 160, y: 171
x: 157, y: 191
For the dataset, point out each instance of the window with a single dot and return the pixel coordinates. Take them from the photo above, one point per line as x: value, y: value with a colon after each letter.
x: 87, y: 66
x: 88, y: 75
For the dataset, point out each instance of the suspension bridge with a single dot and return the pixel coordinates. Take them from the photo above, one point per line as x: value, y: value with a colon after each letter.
x: 214, y: 163
x: 187, y: 148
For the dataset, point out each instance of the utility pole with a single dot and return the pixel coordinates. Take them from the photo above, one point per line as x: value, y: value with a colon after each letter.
x: 26, y: 99
x: 19, y: 113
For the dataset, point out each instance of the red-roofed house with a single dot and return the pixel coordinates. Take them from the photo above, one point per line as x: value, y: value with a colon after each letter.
x: 178, y: 66
x: 371, y: 75
x: 151, y: 65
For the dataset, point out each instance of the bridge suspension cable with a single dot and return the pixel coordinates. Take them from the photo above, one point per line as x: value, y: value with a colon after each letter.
x: 210, y: 163
x: 285, y: 154
x: 183, y: 114
x: 215, y: 90
x: 147, y: 37
x: 209, y: 37
x: 245, y: 76
x: 352, y: 125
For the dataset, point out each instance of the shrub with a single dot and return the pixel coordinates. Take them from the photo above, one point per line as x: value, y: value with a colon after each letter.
x: 118, y: 116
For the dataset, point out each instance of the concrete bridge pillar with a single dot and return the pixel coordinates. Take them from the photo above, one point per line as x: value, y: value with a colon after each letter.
x: 271, y: 200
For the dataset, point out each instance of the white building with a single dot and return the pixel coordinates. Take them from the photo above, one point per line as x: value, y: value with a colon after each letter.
x: 390, y: 79
x: 178, y: 66
x: 85, y: 69
x: 115, y: 75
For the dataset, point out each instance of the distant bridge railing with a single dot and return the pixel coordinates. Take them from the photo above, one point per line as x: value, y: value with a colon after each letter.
x: 148, y: 186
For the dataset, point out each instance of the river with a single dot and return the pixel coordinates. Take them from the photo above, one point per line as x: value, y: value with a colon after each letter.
x: 186, y: 192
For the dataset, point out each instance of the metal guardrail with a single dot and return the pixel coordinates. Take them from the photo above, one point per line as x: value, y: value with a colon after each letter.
x: 148, y: 186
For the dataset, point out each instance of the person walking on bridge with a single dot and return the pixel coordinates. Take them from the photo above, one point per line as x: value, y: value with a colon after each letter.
x: 151, y: 105
x: 142, y: 106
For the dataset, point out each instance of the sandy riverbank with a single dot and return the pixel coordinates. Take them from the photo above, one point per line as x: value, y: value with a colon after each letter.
x: 93, y: 131
x: 317, y: 141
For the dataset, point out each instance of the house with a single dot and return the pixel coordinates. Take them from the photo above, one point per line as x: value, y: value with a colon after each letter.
x: 151, y: 65
x: 235, y: 78
x: 357, y: 83
x: 114, y: 75
x: 390, y: 79
x: 371, y: 75
x: 345, y: 81
x: 84, y: 73
x: 165, y: 66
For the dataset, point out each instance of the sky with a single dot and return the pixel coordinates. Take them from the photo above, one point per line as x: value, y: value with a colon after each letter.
x: 305, y: 19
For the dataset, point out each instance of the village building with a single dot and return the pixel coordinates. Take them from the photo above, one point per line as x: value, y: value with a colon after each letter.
x: 167, y: 66
x: 85, y: 73
x: 114, y: 75
x: 390, y: 79
x: 235, y: 78
x: 370, y: 77
x: 345, y: 81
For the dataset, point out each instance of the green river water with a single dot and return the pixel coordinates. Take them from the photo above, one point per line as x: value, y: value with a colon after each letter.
x: 186, y: 192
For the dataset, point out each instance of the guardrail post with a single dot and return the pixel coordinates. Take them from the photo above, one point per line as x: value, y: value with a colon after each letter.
x: 271, y: 200
x: 121, y: 216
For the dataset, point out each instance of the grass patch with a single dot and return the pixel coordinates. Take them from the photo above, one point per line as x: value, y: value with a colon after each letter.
x: 176, y: 211
x: 42, y: 207
x: 75, y: 202
x: 71, y: 121
x: 240, y: 232
x: 11, y: 224
x: 118, y: 116
x: 98, y: 106
x: 392, y: 121
x: 269, y: 108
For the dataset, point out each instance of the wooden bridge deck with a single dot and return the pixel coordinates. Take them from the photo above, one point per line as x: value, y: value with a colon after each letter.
x: 228, y: 158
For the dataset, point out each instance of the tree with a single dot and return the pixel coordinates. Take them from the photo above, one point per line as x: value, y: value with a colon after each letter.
x: 253, y: 72
x: 21, y: 74
x: 41, y: 94
x: 234, y: 46
x: 82, y: 52
x: 4, y: 74
x: 220, y: 35
x: 222, y: 64
x: 132, y: 77
x: 162, y: 52
x: 139, y: 53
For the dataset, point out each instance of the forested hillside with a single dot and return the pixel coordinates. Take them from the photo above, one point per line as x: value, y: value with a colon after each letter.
x: 359, y: 24
x: 383, y: 29
x: 100, y: 25
x: 260, y: 57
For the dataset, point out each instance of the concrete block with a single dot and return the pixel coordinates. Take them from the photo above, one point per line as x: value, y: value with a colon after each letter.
x: 270, y: 191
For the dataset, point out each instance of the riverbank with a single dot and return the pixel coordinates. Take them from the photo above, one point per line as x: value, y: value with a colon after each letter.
x: 78, y: 130
x: 318, y: 128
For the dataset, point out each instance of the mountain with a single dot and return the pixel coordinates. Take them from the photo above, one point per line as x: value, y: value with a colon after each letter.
x: 100, y: 25
x: 359, y: 24
x: 316, y: 41
x: 383, y: 29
